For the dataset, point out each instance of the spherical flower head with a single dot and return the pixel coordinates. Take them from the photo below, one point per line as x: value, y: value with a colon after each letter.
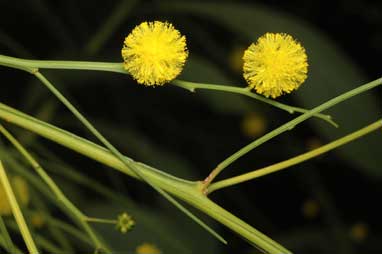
x: 275, y: 64
x: 154, y: 53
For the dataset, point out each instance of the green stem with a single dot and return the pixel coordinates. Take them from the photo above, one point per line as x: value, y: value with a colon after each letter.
x: 55, y: 189
x: 42, y: 210
x: 4, y: 245
x: 289, y: 126
x: 186, y: 190
x: 33, y: 65
x: 120, y: 157
x: 295, y: 160
x: 38, y: 185
x: 192, y: 86
x: 8, y: 244
x: 100, y: 220
x: 69, y: 229
x: 43, y: 242
x: 24, y: 230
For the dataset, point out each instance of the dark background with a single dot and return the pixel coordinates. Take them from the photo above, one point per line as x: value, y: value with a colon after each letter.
x: 188, y: 134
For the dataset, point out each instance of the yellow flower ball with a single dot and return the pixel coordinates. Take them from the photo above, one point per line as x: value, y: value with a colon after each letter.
x: 20, y: 189
x: 147, y: 248
x: 359, y: 231
x: 275, y: 64
x: 253, y: 125
x: 154, y: 53
x: 37, y: 219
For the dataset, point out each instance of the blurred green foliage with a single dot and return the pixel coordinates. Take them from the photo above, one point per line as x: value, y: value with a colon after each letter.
x: 188, y: 134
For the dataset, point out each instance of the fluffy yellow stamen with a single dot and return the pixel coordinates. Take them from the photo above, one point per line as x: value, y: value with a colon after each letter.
x: 275, y: 64
x: 154, y: 53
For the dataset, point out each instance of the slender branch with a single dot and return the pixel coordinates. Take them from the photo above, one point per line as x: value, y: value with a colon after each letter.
x: 69, y: 229
x: 42, y: 242
x: 120, y: 157
x: 24, y: 230
x: 295, y: 160
x: 187, y: 191
x: 288, y: 126
x: 100, y: 220
x: 55, y: 189
x: 38, y: 185
x: 8, y: 244
x: 4, y: 245
x: 192, y: 86
x: 33, y: 65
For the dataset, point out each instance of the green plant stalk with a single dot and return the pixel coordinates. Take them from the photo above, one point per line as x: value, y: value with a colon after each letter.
x: 118, y: 155
x: 55, y: 189
x: 48, y: 245
x: 100, y: 220
x: 188, y: 191
x: 69, y: 229
x: 33, y: 66
x: 288, y: 126
x: 64, y: 170
x: 8, y: 244
x: 295, y: 160
x: 192, y: 86
x: 4, y: 245
x: 41, y: 209
x: 24, y: 230
x: 43, y: 242
x: 37, y: 184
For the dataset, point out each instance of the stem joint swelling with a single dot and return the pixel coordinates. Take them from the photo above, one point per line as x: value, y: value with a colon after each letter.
x: 34, y: 71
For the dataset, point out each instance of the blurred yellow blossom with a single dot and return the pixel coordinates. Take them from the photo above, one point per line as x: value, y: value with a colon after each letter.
x: 147, y: 248
x: 313, y: 143
x: 20, y: 189
x: 310, y: 209
x: 37, y: 219
x: 253, y: 125
x: 359, y: 231
x: 236, y: 59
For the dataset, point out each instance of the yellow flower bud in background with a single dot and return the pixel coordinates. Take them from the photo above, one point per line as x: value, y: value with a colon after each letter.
x: 37, y: 219
x: 253, y: 125
x: 310, y: 209
x: 359, y: 231
x: 147, y: 248
x: 236, y: 59
x: 20, y: 188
